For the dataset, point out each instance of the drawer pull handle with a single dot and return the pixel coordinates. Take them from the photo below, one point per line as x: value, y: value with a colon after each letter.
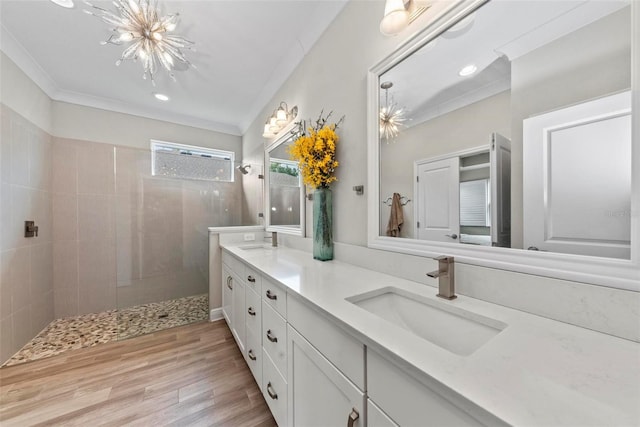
x: 353, y: 416
x: 271, y: 296
x: 251, y: 355
x: 251, y: 311
x: 229, y: 285
x: 271, y: 337
x: 272, y: 394
x: 251, y: 279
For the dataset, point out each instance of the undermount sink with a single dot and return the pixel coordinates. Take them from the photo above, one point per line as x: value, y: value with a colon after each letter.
x: 255, y: 246
x: 456, y: 330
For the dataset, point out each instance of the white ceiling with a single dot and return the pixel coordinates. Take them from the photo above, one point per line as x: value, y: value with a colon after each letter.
x: 427, y: 83
x: 245, y: 50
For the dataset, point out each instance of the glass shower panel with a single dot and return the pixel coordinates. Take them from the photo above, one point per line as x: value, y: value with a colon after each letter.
x: 162, y: 238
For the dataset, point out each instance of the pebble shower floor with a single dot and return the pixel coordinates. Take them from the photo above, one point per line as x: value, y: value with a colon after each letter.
x: 76, y: 332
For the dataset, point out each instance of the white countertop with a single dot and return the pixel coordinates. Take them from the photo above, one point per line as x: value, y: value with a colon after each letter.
x: 536, y: 371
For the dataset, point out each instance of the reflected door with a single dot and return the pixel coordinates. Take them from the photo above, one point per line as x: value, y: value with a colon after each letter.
x: 438, y: 200
x: 577, y: 179
x: 500, y: 171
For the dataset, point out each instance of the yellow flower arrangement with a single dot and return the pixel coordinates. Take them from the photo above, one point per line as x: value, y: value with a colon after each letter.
x: 315, y: 152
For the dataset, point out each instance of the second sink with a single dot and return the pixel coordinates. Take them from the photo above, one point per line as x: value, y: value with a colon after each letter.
x: 456, y: 330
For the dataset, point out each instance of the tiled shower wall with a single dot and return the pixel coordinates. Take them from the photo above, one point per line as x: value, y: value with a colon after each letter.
x: 123, y: 237
x: 26, y: 279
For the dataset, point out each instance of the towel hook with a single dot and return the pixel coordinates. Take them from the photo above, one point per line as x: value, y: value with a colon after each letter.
x: 403, y: 201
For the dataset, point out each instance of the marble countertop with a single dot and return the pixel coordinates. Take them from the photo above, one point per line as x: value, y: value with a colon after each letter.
x: 536, y: 371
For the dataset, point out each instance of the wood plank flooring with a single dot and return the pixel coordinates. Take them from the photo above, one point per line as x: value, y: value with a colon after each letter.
x: 186, y: 376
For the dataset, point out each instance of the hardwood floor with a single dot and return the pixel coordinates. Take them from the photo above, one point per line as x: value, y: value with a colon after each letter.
x: 186, y: 376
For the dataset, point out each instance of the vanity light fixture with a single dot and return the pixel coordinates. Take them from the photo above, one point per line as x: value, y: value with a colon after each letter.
x: 279, y: 119
x: 147, y: 35
x: 391, y: 117
x: 64, y: 3
x: 161, y: 96
x: 468, y: 70
x: 398, y: 14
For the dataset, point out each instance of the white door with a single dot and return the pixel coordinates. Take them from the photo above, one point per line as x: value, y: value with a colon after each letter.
x: 238, y: 323
x: 438, y: 200
x: 227, y: 295
x: 318, y: 393
x: 577, y: 179
x: 500, y: 170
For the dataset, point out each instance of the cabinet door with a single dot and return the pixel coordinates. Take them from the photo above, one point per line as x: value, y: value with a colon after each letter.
x: 227, y: 295
x: 238, y: 322
x: 319, y: 395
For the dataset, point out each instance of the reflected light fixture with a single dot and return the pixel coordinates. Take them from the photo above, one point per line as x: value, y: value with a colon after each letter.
x: 161, y: 96
x: 391, y: 117
x: 398, y: 14
x: 280, y: 118
x: 147, y: 35
x: 64, y: 3
x: 468, y: 70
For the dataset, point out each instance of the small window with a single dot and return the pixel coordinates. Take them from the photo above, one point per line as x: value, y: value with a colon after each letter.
x: 191, y: 162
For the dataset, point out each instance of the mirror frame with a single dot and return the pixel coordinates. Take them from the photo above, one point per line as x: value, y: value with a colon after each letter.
x: 281, y: 138
x: 610, y: 272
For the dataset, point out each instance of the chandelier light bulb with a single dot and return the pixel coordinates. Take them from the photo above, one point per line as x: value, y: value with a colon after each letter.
x: 64, y: 3
x: 391, y: 117
x: 147, y: 35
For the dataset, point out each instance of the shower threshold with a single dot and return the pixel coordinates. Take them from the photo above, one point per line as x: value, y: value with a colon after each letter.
x: 88, y: 330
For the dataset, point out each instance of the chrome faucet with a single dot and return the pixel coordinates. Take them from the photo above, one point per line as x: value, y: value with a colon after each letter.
x: 446, y: 279
x: 274, y: 239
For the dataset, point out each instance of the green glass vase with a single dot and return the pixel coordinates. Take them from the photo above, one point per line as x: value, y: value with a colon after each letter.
x: 323, y: 224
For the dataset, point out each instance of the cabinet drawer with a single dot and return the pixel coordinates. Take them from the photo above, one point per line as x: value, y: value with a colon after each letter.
x: 253, y: 312
x: 254, y: 355
x: 377, y: 418
x: 409, y: 401
x: 275, y: 295
x: 274, y: 389
x: 253, y: 279
x: 344, y: 351
x: 274, y: 337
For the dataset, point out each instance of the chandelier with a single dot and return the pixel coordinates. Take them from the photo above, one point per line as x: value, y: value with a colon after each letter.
x: 147, y: 35
x: 391, y: 117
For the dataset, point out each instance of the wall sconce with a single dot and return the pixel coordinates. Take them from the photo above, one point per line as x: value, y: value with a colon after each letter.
x: 280, y: 118
x: 398, y: 14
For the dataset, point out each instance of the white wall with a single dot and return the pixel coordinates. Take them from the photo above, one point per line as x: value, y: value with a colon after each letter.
x: 22, y: 95
x: 78, y: 122
x: 333, y: 76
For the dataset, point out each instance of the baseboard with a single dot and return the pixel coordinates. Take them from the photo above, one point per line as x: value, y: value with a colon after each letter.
x: 215, y: 314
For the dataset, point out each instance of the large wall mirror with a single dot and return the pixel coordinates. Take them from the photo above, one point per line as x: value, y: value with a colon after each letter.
x: 504, y: 130
x: 284, y: 192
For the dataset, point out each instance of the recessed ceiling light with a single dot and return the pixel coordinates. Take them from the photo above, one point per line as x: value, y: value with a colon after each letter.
x: 468, y: 70
x: 64, y: 3
x: 161, y: 96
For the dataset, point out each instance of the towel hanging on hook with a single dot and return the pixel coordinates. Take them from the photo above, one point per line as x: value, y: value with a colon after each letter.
x: 403, y: 201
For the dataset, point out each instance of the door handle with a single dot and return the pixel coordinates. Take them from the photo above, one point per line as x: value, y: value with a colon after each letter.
x: 454, y: 236
x: 272, y: 394
x: 251, y: 311
x: 353, y: 417
x: 271, y: 296
x: 251, y: 355
x: 229, y: 279
x: 251, y: 279
x: 271, y: 337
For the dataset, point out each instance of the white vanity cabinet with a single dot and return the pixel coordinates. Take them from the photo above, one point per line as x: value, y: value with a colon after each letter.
x: 326, y: 370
